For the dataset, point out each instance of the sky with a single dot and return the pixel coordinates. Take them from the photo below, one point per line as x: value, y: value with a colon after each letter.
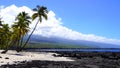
x: 94, y: 20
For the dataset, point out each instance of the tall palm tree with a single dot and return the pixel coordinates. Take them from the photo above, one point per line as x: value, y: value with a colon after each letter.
x: 40, y: 12
x: 21, y: 27
x: 1, y: 32
x: 5, y: 34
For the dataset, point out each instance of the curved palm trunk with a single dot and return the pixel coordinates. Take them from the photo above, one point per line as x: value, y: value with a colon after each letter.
x: 29, y: 36
x: 21, y: 41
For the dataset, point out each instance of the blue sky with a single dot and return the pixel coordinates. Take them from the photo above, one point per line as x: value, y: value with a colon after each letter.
x: 99, y: 17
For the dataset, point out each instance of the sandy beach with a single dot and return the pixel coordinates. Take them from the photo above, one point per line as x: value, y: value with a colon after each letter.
x: 12, y: 57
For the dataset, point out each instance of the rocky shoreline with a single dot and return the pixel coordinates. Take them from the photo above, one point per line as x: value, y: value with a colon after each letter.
x: 82, y: 60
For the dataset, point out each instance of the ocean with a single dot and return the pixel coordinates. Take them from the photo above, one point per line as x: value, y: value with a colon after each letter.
x: 73, y: 49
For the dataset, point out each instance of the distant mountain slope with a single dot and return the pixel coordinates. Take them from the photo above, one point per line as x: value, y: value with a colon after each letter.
x: 60, y: 42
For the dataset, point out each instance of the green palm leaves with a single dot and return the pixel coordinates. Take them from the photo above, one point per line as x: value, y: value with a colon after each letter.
x: 40, y: 12
x: 15, y: 34
x: 5, y: 36
x: 21, y: 27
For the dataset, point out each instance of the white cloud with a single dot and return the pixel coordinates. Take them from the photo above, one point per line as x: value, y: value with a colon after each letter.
x: 52, y: 27
x: 9, y: 13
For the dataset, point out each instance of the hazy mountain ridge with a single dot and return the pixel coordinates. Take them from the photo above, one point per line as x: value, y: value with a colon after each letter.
x: 56, y: 40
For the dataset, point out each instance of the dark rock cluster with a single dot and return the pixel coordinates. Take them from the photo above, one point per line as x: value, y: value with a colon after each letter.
x: 79, y: 55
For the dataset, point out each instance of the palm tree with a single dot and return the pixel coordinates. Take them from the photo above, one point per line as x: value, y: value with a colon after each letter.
x: 39, y: 13
x: 1, y: 32
x: 5, y: 35
x: 21, y: 27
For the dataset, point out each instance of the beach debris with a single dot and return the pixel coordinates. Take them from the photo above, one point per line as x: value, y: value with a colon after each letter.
x: 6, y: 58
x: 0, y: 57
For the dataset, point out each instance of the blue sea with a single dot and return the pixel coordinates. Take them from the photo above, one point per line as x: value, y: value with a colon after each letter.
x: 73, y: 49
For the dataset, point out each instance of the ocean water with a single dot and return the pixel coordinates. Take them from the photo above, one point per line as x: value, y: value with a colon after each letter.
x: 74, y: 49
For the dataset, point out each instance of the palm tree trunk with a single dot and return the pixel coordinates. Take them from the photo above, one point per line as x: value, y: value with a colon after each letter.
x: 29, y: 36
x: 21, y: 42
x: 18, y: 49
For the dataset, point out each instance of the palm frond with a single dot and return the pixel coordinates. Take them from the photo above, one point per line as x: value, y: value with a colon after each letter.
x: 45, y: 16
x: 34, y: 16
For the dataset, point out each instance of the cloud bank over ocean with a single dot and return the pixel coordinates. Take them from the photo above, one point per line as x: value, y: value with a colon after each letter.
x: 52, y: 27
